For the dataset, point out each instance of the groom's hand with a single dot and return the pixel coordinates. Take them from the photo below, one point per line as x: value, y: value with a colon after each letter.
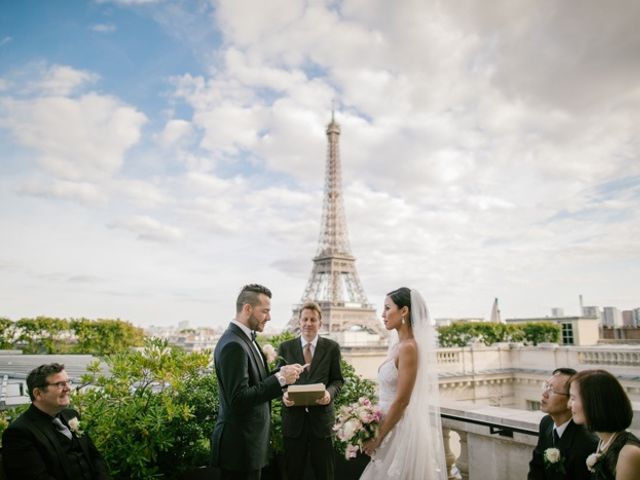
x: 291, y: 372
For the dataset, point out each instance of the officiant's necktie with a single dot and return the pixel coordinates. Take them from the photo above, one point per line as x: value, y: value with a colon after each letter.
x: 556, y: 438
x: 61, y: 427
x: 307, y: 353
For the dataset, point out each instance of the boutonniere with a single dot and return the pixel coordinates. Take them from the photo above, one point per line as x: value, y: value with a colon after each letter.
x: 74, y: 426
x: 553, y: 460
x: 269, y: 352
x: 272, y: 356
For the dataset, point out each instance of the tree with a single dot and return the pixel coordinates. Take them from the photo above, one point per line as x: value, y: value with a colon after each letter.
x: 7, y: 333
x: 41, y: 334
x: 103, y: 337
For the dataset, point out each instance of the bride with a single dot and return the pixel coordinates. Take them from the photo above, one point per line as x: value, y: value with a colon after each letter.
x: 409, y: 442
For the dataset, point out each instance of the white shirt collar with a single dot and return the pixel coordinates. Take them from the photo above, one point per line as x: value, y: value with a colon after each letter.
x: 243, y: 327
x: 314, y: 342
x: 561, y: 428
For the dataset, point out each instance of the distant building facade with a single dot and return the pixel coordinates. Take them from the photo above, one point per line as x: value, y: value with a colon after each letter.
x: 611, y: 317
x: 575, y: 330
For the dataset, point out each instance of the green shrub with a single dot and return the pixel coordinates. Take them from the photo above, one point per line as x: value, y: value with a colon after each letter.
x: 461, y: 334
x: 153, y: 414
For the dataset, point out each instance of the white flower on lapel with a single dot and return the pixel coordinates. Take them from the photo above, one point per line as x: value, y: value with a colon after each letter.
x: 552, y: 455
x: 270, y: 353
x: 74, y: 426
x: 553, y: 460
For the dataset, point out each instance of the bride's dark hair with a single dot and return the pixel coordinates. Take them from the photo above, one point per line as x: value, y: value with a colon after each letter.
x: 402, y: 298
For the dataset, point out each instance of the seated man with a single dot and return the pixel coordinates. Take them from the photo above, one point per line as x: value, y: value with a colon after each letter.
x: 46, y: 441
x: 565, y: 444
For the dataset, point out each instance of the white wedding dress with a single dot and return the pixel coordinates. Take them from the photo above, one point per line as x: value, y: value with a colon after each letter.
x: 413, y: 449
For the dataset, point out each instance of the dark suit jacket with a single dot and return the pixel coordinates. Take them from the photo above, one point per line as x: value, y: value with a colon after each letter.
x: 31, y: 449
x: 240, y: 439
x: 576, y: 444
x: 325, y: 368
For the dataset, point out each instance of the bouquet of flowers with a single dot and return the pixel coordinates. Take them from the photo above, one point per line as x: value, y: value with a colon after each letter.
x: 356, y: 423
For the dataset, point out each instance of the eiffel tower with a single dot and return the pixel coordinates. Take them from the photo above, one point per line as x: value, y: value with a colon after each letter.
x: 334, y: 282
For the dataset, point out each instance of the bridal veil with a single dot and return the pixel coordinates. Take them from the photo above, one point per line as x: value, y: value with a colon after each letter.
x: 420, y: 450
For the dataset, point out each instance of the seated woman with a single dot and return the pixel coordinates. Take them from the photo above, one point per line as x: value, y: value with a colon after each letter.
x: 598, y: 400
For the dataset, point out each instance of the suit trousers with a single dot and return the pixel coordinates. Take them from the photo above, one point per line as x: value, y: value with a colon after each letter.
x: 318, y: 450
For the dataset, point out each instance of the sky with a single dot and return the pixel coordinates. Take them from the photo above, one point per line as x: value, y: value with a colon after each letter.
x: 157, y: 155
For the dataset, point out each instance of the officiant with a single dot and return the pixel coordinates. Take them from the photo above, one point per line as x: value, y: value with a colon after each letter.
x: 308, y: 428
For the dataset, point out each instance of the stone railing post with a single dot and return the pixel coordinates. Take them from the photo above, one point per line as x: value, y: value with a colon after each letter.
x: 463, y: 459
x: 449, y: 456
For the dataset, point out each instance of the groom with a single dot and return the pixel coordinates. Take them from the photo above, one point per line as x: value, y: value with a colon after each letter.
x: 557, y: 430
x: 240, y: 439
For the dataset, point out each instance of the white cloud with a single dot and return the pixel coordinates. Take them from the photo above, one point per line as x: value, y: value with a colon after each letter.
x: 62, y: 80
x: 174, y: 131
x: 147, y: 228
x: 104, y: 27
x: 76, y: 139
x: 81, y: 192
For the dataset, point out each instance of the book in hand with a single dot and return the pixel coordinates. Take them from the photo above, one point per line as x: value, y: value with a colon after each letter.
x: 304, y: 395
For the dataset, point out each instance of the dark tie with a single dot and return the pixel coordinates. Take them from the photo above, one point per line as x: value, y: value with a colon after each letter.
x: 307, y: 353
x: 253, y: 335
x: 61, y: 427
x: 556, y: 438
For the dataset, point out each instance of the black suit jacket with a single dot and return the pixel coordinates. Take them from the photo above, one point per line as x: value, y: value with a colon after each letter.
x: 325, y: 368
x: 31, y: 449
x: 240, y: 439
x: 576, y: 444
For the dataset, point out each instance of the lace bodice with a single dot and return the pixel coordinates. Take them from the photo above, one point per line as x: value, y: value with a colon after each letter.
x: 387, y: 382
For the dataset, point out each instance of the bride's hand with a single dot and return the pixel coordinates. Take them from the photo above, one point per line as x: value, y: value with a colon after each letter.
x: 370, y: 446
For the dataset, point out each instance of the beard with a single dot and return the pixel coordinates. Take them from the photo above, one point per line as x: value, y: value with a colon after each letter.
x: 254, y: 323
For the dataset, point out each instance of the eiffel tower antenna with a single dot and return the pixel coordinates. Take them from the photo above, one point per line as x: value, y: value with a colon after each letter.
x: 334, y: 282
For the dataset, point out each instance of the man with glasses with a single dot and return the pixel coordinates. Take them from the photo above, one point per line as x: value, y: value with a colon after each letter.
x: 563, y: 446
x: 47, y: 441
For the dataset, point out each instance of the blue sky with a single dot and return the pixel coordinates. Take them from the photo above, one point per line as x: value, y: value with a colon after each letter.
x: 157, y: 155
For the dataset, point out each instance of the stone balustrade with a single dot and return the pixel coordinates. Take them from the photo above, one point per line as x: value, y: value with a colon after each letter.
x: 508, y: 374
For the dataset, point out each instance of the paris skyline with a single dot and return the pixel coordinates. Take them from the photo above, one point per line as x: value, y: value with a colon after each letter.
x: 156, y: 156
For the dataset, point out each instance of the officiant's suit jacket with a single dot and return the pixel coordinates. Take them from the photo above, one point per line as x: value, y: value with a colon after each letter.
x: 325, y: 368
x: 575, y: 445
x: 33, y: 449
x: 240, y: 439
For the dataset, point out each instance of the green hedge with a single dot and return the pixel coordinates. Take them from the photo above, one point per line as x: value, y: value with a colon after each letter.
x: 461, y: 334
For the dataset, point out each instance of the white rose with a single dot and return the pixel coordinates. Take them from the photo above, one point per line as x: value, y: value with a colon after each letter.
x: 552, y: 455
x: 74, y: 426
